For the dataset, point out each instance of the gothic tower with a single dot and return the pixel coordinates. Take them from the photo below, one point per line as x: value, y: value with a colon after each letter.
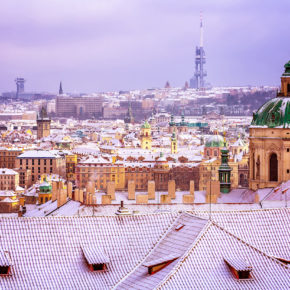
x: 43, y: 124
x: 60, y: 91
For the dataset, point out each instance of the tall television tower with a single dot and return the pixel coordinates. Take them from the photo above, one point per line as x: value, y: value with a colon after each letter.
x: 198, y: 81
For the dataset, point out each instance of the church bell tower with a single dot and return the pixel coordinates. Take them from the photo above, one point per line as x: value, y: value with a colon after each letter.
x: 43, y: 124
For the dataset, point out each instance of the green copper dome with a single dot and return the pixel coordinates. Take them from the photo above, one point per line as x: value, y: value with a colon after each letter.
x: 45, y: 187
x: 215, y: 141
x: 146, y: 125
x: 287, y: 69
x: 273, y: 114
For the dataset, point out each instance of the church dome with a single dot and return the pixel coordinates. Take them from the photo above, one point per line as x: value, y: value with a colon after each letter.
x: 273, y: 114
x: 214, y: 141
x: 276, y: 112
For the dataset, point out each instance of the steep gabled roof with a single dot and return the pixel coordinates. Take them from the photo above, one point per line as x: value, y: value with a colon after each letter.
x: 203, y: 267
x: 47, y: 252
x: 266, y: 229
x: 172, y: 246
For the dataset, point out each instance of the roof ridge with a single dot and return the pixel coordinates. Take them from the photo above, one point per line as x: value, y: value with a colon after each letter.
x: 197, y: 240
x: 249, y: 245
x: 150, y: 251
x: 185, y: 255
x: 242, y: 210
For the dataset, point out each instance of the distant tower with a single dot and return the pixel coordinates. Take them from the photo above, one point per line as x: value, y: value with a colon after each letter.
x: 19, y: 86
x: 173, y: 144
x: 167, y: 85
x: 43, y: 124
x: 146, y: 136
x: 60, y: 91
x: 129, y: 119
x: 198, y: 81
x: 225, y: 171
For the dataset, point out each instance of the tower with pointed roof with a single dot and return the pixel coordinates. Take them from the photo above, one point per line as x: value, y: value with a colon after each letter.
x: 173, y: 143
x: 146, y: 136
x: 269, y: 147
x: 60, y: 91
x: 43, y: 124
x: 129, y: 119
x: 225, y: 170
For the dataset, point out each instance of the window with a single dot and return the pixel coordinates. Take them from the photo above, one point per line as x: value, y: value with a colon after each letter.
x: 239, y: 268
x: 288, y: 149
x: 4, y: 270
x: 288, y: 171
x: 38, y: 161
x: 156, y: 265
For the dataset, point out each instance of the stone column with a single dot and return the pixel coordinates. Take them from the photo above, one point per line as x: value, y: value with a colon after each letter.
x: 111, y: 189
x: 151, y: 189
x: 54, y: 191
x: 171, y: 189
x: 106, y: 199
x: 77, y: 194
x: 142, y: 198
x: 81, y: 196
x: 69, y: 189
x: 165, y: 198
x: 191, y: 187
x: 131, y: 189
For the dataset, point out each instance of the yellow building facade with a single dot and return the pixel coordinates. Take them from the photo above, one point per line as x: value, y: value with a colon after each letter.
x: 146, y: 141
x: 71, y: 161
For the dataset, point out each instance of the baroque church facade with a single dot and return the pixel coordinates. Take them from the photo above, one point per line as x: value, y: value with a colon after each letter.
x: 270, y: 139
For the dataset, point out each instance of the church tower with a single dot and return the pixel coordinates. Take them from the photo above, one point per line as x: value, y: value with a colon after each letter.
x: 60, y: 91
x: 129, y: 119
x: 43, y: 124
x: 225, y: 171
x: 146, y: 136
x: 173, y: 144
x: 270, y: 139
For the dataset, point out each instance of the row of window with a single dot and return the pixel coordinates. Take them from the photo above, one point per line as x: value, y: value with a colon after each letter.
x: 33, y: 161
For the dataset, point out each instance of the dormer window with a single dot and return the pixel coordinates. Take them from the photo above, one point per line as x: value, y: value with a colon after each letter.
x: 157, y: 265
x: 96, y: 259
x: 5, y: 264
x: 240, y: 269
x: 179, y: 227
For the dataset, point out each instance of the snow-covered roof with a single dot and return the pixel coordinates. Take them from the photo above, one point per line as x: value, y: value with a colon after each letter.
x: 7, y: 171
x: 37, y: 154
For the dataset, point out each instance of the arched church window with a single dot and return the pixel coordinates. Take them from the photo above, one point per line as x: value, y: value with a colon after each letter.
x: 273, y: 163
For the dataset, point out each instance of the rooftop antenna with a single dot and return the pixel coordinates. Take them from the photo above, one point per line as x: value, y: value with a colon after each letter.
x: 201, y: 31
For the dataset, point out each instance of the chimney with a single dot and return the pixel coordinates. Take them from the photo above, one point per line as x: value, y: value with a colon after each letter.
x: 122, y: 210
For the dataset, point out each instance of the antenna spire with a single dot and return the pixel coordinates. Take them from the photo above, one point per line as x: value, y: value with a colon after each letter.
x: 201, y: 31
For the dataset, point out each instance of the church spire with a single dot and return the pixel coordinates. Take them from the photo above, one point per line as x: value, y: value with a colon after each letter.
x: 60, y: 92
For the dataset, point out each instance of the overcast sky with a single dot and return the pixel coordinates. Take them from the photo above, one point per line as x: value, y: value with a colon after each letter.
x: 101, y: 45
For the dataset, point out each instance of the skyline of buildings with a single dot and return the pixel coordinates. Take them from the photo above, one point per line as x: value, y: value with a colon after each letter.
x: 130, y: 184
